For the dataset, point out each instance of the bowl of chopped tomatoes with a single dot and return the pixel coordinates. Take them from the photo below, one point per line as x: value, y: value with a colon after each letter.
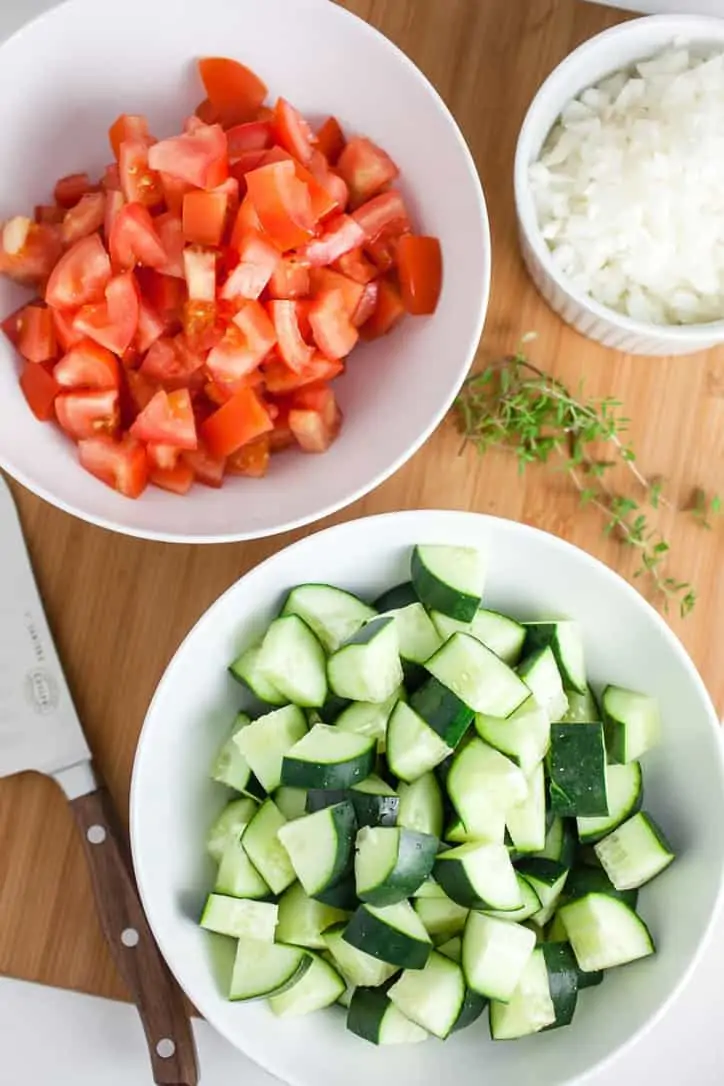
x: 244, y: 263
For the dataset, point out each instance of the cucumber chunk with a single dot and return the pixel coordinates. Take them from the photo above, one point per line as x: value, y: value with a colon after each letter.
x: 577, y: 767
x: 361, y: 969
x: 413, y: 747
x: 624, y: 792
x: 524, y: 736
x: 266, y: 969
x: 477, y: 676
x: 449, y: 579
x: 495, y: 954
x: 442, y: 710
x: 433, y: 996
x: 635, y: 853
x: 582, y: 708
x: 320, y: 846
x: 369, y: 718
x: 593, y: 880
x: 562, y: 981
x: 332, y: 614
x: 421, y: 805
x: 418, y: 638
x: 239, y: 919
x: 605, y: 933
x: 229, y: 826
x: 531, y: 904
x: 566, y: 642
x: 367, y: 667
x: 479, y: 876
x: 292, y: 659
x: 526, y: 821
x: 633, y: 723
x: 245, y: 670
x: 292, y: 802
x: 399, y: 596
x: 321, y: 986
x: 441, y: 917
x: 540, y: 673
x: 391, y: 863
x: 237, y: 876
x: 392, y: 933
x: 374, y: 1018
x: 230, y: 766
x: 302, y: 921
x: 327, y: 757
x: 502, y: 635
x: 265, y: 741
x: 261, y: 843
x: 530, y: 1008
x: 374, y: 801
x: 483, y: 785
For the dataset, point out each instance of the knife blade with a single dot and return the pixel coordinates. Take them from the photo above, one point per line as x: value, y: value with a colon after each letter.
x: 40, y: 731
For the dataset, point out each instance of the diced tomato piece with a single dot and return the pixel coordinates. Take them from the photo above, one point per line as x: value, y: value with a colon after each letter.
x: 245, y: 162
x: 341, y: 234
x: 36, y: 334
x: 174, y: 191
x: 290, y: 279
x: 178, y: 479
x: 332, y: 326
x: 292, y: 131
x: 233, y: 89
x: 151, y: 326
x: 295, y: 352
x: 207, y: 112
x: 200, y: 273
x: 388, y: 312
x: 168, y: 420
x: 113, y: 323
x: 240, y: 420
x: 315, y: 419
x: 88, y: 413
x: 167, y: 365
x: 330, y: 140
x: 50, y: 214
x: 139, y: 183
x: 201, y: 325
x: 87, y: 365
x: 134, y: 240
x: 111, y: 180
x: 282, y: 203
x: 140, y: 391
x: 12, y: 325
x: 199, y: 158
x: 247, y: 221
x: 128, y: 127
x: 65, y: 333
x: 383, y: 254
x: 40, y: 390
x: 160, y: 456
x: 385, y: 215
x: 258, y: 260
x: 229, y: 189
x: 366, y: 168
x: 204, y: 217
x: 207, y: 469
x: 69, y: 190
x: 245, y: 344
x: 325, y: 279
x: 165, y: 294
x: 80, y: 276
x: 218, y: 393
x: 252, y: 136
x: 114, y: 203
x: 280, y: 379
x: 85, y: 218
x: 327, y: 189
x: 171, y: 234
x: 419, y: 262
x: 29, y: 251
x: 252, y: 459
x: 355, y: 265
x: 122, y: 465
x: 367, y: 304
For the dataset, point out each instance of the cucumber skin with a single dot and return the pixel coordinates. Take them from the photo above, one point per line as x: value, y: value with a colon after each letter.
x: 371, y: 810
x: 563, y: 982
x: 472, y: 1008
x: 594, y: 880
x: 297, y: 773
x: 437, y: 596
x: 415, y: 860
x: 402, y: 595
x: 365, y: 932
x: 442, y: 710
x: 574, y: 746
x: 342, y: 895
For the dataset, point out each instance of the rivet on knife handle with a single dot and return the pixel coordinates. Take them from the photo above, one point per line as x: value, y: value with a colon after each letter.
x: 159, y: 1000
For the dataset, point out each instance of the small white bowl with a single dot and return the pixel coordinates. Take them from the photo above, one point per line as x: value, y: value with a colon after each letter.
x: 601, y: 56
x: 531, y: 574
x: 67, y: 76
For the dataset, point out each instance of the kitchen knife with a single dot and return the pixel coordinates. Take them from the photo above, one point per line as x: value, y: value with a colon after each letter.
x: 39, y: 730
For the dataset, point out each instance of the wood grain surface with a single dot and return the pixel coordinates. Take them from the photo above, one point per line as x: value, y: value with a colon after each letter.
x: 119, y: 607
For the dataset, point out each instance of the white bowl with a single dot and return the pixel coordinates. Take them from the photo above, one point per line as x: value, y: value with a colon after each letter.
x: 531, y: 574
x: 606, y: 53
x: 64, y: 79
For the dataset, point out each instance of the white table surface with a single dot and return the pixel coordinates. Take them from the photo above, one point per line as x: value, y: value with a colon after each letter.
x: 54, y: 1038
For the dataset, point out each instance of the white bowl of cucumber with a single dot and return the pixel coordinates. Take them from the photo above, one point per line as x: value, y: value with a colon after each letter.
x: 428, y: 815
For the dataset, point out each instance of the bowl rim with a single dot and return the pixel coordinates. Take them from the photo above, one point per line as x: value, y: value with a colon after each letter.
x: 453, y: 517
x: 467, y: 355
x: 675, y: 334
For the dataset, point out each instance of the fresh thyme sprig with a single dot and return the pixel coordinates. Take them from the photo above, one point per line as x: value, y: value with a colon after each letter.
x: 515, y: 405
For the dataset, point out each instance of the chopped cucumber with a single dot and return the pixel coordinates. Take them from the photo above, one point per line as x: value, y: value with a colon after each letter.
x: 565, y: 640
x: 633, y: 723
x: 526, y: 821
x: 442, y: 917
x: 237, y: 876
x: 231, y: 767
x: 302, y: 921
x: 292, y: 802
x: 367, y: 667
x: 495, y: 954
x: 229, y: 826
x: 327, y: 757
x: 413, y: 747
x: 577, y: 767
x: 321, y: 986
x: 392, y: 933
x: 391, y: 863
x: 635, y: 853
x: 266, y: 969
x: 540, y: 673
x: 449, y: 579
x: 321, y: 846
x: 361, y: 969
x: 483, y: 785
x: 421, y: 805
x: 447, y: 626
x: 442, y: 710
x: 582, y: 708
x: 245, y: 669
x: 593, y: 880
x: 373, y: 1017
x: 394, y: 598
x: 433, y: 996
x: 239, y: 919
x: 524, y: 736
x: 560, y: 843
x: 530, y: 907
x: 292, y: 659
x: 562, y: 981
x: 263, y: 847
x: 369, y: 718
x: 605, y: 933
x: 416, y: 633
x: 332, y: 614
x: 624, y: 792
x: 265, y: 742
x: 477, y: 676
x: 502, y: 635
x: 479, y: 876
x: 452, y: 949
x: 548, y: 879
x: 530, y: 1008
x: 374, y: 801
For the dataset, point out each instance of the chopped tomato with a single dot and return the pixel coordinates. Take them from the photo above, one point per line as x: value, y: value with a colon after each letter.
x: 112, y: 323
x: 66, y: 334
x: 85, y: 218
x: 88, y: 413
x: 280, y: 379
x: 204, y: 217
x: 342, y: 233
x: 252, y: 136
x: 258, y: 260
x: 160, y: 456
x: 383, y: 253
x: 229, y: 189
x: 169, y: 228
x: 388, y: 312
x: 199, y: 158
x: 168, y: 365
x: 69, y: 190
x: 251, y: 459
x: 332, y: 327
x: 140, y: 390
x: 80, y: 276
x: 36, y: 334
x: 87, y: 365
x: 327, y: 189
x: 207, y: 469
x: 168, y: 419
x: 367, y: 304
x: 201, y: 325
x: 419, y: 260
x: 325, y: 279
x: 282, y: 203
x: 28, y: 251
x: 114, y: 203
x: 240, y: 420
x: 127, y: 127
x: 50, y: 214
x: 120, y: 464
x: 253, y: 321
x: 40, y: 390
x: 281, y: 437
x: 12, y: 325
x: 295, y: 352
x: 165, y: 294
x: 134, y: 240
x: 355, y: 265
x: 330, y: 140
x: 315, y: 419
x: 246, y: 220
x: 178, y: 479
x: 207, y: 112
x: 139, y: 183
x: 151, y: 326
x: 200, y: 273
x: 111, y: 180
x: 290, y: 279
x: 366, y: 168
x: 243, y: 347
x: 233, y: 89
x: 174, y: 191
x: 384, y: 215
x: 292, y: 131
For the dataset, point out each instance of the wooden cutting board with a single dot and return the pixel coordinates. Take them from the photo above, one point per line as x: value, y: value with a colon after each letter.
x: 119, y: 607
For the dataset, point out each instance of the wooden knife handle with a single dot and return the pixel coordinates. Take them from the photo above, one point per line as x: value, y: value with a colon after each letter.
x: 153, y: 989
